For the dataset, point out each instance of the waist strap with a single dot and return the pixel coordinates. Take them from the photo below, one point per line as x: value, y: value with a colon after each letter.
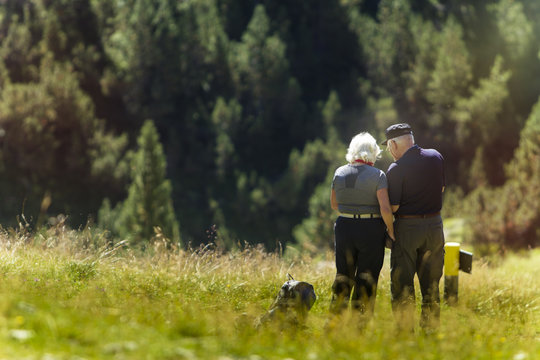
x: 423, y: 216
x: 360, y: 216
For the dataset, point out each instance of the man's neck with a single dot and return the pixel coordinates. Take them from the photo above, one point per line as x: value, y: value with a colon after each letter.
x: 406, y: 148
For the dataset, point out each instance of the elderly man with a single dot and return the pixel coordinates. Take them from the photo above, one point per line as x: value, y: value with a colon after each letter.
x: 415, y: 186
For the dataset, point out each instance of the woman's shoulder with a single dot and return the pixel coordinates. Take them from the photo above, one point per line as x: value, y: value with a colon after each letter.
x: 378, y: 171
x: 343, y: 168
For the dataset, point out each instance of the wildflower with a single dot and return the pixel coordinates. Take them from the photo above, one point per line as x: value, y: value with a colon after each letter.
x: 19, y: 320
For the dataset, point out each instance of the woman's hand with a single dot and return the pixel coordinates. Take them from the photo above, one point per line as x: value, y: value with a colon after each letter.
x: 389, y: 240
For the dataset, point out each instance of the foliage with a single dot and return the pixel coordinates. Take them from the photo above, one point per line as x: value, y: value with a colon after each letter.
x: 52, y: 141
x: 480, y: 111
x: 273, y: 112
x: 317, y: 231
x: 240, y: 91
x: 451, y: 74
x: 147, y: 212
x: 480, y: 116
x: 508, y: 216
x: 514, y: 27
x: 387, y: 44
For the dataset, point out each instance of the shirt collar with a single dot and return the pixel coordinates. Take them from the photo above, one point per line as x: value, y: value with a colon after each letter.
x: 410, y: 151
x: 412, y: 148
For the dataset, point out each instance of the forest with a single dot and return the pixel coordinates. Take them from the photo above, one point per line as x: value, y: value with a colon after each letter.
x: 224, y: 120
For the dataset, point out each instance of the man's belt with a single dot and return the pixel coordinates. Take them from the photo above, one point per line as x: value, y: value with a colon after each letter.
x: 360, y: 216
x: 423, y: 216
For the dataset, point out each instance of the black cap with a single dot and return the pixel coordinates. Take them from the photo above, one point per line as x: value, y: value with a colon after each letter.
x: 396, y: 130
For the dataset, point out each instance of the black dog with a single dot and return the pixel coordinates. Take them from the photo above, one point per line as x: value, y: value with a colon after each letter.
x: 292, y: 303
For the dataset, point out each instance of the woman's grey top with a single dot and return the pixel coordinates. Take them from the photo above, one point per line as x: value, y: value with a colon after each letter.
x: 356, y: 188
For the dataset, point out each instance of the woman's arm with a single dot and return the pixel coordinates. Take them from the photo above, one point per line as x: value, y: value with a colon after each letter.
x: 386, y: 211
x: 333, y: 200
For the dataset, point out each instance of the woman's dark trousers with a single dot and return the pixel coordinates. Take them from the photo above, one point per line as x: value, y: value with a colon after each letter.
x: 359, y: 247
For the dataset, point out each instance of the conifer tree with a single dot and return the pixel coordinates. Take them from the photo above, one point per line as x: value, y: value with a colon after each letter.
x: 523, y: 186
x: 149, y: 203
x: 319, y: 160
x: 272, y: 112
x: 509, y: 216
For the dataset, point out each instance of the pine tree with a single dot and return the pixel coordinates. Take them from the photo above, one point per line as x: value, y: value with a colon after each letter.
x: 149, y: 203
x: 318, y: 161
x: 273, y: 115
x: 523, y: 222
x: 452, y: 73
x: 509, y: 216
x: 514, y: 27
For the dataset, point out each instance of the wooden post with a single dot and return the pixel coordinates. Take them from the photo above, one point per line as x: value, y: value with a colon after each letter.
x: 451, y: 272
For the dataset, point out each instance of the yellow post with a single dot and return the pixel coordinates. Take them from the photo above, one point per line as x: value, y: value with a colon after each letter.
x: 451, y: 272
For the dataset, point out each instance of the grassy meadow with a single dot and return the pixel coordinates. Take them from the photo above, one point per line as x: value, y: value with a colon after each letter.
x: 63, y: 296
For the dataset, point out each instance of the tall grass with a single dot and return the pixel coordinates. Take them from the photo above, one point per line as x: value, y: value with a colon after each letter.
x: 69, y: 295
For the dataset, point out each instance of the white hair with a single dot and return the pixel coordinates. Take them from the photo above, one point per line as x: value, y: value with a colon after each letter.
x: 407, y: 138
x: 364, y: 147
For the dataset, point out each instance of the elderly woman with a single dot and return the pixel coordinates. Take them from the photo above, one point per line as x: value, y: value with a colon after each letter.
x: 360, y: 194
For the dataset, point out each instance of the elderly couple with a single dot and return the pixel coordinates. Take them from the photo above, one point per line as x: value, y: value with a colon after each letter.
x: 368, y: 200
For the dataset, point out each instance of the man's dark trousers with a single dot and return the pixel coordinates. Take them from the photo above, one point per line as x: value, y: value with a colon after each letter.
x: 419, y: 248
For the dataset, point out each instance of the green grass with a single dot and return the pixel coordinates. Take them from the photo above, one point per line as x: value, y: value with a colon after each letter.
x: 63, y: 297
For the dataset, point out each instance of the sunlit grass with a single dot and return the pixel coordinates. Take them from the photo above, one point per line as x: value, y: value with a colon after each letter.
x: 64, y: 296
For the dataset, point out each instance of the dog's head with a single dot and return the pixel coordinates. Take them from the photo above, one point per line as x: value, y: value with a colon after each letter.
x: 299, y: 295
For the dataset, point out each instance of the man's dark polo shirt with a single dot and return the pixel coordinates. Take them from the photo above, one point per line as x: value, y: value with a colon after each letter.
x: 415, y: 182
